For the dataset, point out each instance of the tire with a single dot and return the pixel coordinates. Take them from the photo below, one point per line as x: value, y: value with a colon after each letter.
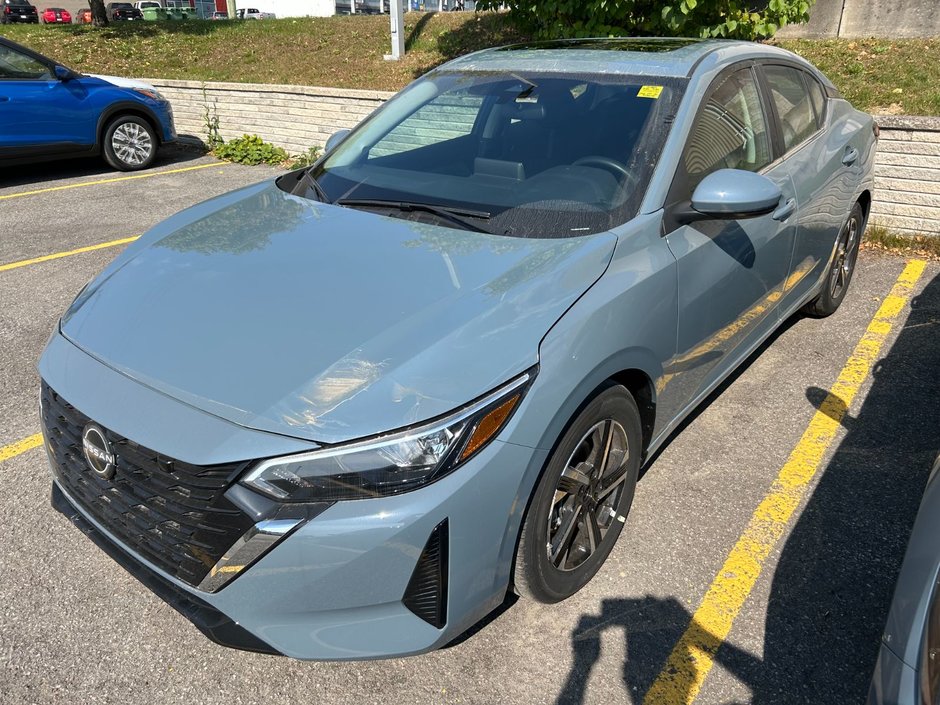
x: 841, y: 268
x: 130, y: 143
x: 545, y: 570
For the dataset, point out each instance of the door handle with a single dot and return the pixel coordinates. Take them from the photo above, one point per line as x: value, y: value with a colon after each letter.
x: 785, y: 211
x: 850, y: 156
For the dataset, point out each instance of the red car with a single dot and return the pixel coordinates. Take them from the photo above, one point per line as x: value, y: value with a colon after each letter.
x: 56, y: 15
x: 83, y: 16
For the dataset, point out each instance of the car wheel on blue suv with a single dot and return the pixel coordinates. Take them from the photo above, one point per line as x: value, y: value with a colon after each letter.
x: 130, y: 143
x: 582, y: 499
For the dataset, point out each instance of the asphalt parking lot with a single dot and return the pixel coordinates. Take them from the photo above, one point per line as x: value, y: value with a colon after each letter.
x: 709, y: 595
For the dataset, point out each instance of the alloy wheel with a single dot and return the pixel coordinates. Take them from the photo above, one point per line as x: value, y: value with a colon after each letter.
x: 131, y: 143
x: 845, y: 258
x: 584, y: 506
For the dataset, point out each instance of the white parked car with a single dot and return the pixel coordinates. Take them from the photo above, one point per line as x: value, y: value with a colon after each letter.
x: 142, y: 4
x: 253, y: 14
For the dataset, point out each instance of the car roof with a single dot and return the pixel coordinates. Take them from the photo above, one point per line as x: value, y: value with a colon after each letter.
x: 642, y: 56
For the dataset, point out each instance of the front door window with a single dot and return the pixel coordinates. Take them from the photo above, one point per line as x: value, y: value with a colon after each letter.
x: 17, y: 66
x: 730, y: 131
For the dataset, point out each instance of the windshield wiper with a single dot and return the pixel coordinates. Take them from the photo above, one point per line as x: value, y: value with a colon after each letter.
x: 457, y: 216
x: 315, y: 185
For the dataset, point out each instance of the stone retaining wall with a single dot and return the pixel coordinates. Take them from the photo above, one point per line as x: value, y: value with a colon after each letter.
x: 907, y: 175
x: 907, y: 167
x: 293, y: 117
x: 868, y: 18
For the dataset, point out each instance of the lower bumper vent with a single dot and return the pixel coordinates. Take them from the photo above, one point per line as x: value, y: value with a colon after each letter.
x: 426, y: 594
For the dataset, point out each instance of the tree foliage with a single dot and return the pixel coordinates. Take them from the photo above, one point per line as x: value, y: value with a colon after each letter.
x: 737, y: 19
x: 99, y: 14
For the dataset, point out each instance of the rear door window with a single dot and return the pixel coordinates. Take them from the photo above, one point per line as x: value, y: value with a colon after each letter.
x: 817, y: 98
x: 793, y: 104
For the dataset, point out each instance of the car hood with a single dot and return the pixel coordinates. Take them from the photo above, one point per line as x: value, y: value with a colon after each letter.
x: 325, y: 323
x: 124, y: 82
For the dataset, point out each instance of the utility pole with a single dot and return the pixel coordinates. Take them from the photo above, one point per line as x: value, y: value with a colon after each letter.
x: 397, y: 18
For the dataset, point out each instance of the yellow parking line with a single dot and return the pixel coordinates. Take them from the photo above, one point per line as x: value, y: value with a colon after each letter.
x: 112, y: 180
x: 67, y: 253
x: 688, y: 665
x: 14, y: 449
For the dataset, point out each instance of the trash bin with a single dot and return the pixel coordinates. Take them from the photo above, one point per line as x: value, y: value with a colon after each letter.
x: 175, y: 13
x: 154, y: 13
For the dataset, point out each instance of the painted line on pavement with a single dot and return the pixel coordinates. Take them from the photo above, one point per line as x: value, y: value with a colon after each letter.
x: 67, y: 253
x: 20, y: 447
x: 692, y: 658
x: 113, y: 180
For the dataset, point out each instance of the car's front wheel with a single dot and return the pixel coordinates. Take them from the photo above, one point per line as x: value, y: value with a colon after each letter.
x: 130, y: 143
x: 582, y: 499
x: 841, y: 268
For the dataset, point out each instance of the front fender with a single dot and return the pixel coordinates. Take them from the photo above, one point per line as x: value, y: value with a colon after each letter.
x: 626, y: 321
x: 134, y: 107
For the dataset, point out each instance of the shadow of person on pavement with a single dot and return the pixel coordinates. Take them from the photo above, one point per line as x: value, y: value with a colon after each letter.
x: 834, y: 581
x: 832, y: 585
x: 651, y: 627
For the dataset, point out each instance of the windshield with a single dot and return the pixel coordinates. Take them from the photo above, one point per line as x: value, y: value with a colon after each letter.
x: 543, y: 155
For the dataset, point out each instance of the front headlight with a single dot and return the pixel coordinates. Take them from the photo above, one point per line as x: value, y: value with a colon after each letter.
x: 151, y: 93
x: 390, y: 464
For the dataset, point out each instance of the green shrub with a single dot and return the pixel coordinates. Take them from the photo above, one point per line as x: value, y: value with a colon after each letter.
x: 250, y: 149
x: 550, y: 19
x: 305, y: 159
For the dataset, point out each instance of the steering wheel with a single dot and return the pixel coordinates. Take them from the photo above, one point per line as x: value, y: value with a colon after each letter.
x: 604, y: 163
x: 628, y: 179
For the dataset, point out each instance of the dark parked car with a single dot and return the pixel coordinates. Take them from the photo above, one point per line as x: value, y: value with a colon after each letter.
x: 18, y: 11
x: 56, y: 15
x: 118, y: 11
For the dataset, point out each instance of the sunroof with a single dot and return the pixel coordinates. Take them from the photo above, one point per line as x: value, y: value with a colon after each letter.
x: 653, y: 45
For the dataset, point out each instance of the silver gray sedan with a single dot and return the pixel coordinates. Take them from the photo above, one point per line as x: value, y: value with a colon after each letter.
x: 340, y: 414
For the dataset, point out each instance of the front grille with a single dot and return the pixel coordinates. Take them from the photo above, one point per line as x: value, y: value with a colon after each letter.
x: 170, y: 513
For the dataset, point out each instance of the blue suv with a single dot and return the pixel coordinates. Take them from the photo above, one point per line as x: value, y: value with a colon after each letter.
x: 48, y: 111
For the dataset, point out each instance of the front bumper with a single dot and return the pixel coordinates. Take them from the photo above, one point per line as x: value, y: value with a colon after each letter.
x: 167, y: 124
x: 335, y: 588
x: 215, y: 625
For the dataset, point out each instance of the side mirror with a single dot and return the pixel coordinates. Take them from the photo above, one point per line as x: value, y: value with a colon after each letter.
x: 732, y: 193
x: 335, y: 139
x: 64, y: 74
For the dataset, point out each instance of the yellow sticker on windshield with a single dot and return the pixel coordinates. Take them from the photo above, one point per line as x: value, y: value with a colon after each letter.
x: 649, y: 92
